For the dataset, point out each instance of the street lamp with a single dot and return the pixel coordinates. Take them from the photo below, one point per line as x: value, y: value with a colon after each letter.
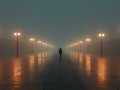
x: 43, y: 43
x: 32, y: 40
x: 80, y: 42
x: 39, y: 42
x: 17, y: 34
x: 76, y: 44
x: 88, y: 40
x: 101, y: 35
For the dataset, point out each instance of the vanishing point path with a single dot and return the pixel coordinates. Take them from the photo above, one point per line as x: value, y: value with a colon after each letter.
x: 46, y: 71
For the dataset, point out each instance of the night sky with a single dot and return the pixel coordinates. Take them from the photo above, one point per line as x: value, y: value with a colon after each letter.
x: 60, y: 22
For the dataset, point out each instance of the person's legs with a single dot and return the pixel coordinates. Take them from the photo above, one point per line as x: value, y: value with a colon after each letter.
x: 60, y: 55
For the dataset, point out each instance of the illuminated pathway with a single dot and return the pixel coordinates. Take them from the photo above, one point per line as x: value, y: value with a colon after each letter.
x: 47, y: 72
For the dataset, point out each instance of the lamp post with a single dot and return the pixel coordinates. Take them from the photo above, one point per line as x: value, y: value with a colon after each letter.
x: 39, y: 42
x: 80, y: 42
x: 32, y: 40
x: 17, y: 34
x: 88, y: 40
x: 76, y: 44
x: 101, y: 35
x: 43, y: 43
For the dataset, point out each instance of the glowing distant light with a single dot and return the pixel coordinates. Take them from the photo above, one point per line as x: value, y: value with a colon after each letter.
x: 80, y: 42
x: 32, y: 39
x: 88, y: 40
x: 17, y: 34
x: 39, y: 41
x: 101, y: 35
x: 43, y: 43
x: 76, y: 43
x: 71, y: 45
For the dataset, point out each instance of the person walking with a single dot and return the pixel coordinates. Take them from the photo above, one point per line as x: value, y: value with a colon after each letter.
x: 60, y: 53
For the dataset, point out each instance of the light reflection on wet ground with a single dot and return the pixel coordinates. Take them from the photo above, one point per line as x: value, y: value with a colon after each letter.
x: 45, y: 72
x: 98, y: 72
x: 16, y: 73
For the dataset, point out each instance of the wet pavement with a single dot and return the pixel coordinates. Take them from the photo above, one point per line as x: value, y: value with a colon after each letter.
x: 45, y: 71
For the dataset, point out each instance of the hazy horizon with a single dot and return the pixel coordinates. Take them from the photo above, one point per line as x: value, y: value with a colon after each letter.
x: 60, y: 22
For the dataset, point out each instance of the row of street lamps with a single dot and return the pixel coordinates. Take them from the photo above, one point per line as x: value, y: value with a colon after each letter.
x: 88, y: 40
x: 17, y: 34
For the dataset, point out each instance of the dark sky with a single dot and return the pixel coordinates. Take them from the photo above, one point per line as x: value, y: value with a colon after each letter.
x: 60, y: 21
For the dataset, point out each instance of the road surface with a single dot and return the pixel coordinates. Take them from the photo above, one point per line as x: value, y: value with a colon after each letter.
x: 46, y: 71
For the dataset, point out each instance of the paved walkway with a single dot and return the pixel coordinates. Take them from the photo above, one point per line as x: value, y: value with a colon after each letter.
x: 62, y: 76
x: 38, y: 73
x: 47, y: 72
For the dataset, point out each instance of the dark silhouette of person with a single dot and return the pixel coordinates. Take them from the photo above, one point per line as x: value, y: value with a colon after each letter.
x: 60, y: 52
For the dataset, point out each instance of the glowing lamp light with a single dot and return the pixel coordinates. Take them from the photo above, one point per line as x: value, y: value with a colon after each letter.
x: 39, y: 41
x: 88, y: 40
x: 101, y: 35
x: 17, y: 34
x: 80, y: 42
x: 43, y: 43
x: 76, y: 43
x: 32, y: 39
